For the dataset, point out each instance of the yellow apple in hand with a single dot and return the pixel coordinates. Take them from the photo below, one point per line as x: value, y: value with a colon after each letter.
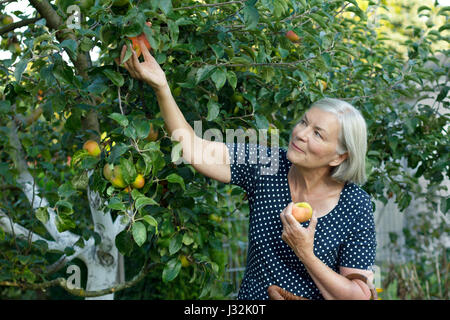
x: 302, y: 211
x: 92, y: 148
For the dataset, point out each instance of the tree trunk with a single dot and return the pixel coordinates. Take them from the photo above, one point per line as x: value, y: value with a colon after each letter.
x: 102, y: 270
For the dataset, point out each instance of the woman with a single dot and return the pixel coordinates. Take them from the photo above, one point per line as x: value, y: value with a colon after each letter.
x: 329, y: 257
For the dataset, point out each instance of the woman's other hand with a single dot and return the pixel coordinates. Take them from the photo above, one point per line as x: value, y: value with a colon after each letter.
x: 299, y: 238
x: 148, y: 71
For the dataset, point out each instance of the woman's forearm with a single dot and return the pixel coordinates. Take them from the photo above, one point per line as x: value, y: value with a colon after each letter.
x: 171, y: 113
x: 331, y: 284
x: 177, y: 126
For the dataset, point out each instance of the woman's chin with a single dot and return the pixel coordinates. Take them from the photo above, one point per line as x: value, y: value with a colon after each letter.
x: 293, y: 155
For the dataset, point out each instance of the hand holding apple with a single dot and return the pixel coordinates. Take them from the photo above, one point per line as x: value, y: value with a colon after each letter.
x: 148, y: 71
x: 137, y: 44
x: 299, y: 238
x: 302, y: 211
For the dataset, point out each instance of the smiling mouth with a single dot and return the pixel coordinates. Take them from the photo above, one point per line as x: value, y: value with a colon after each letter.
x: 297, y: 148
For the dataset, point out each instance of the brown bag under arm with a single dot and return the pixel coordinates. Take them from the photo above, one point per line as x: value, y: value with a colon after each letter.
x: 277, y: 293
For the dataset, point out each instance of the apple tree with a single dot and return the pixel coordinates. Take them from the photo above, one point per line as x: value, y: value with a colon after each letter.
x: 230, y: 65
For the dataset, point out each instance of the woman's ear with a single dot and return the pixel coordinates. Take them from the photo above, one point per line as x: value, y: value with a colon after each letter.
x: 338, y: 159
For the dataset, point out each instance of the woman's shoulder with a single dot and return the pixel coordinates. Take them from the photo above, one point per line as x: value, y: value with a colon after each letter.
x: 355, y: 197
x: 355, y: 192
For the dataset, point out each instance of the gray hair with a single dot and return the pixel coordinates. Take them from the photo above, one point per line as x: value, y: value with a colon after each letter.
x: 352, y: 139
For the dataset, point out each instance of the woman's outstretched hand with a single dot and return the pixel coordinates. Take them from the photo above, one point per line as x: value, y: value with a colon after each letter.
x: 148, y: 71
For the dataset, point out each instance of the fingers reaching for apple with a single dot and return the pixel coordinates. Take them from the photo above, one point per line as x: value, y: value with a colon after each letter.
x: 149, y: 70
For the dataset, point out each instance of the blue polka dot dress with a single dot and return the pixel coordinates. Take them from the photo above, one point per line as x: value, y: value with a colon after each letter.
x: 344, y: 237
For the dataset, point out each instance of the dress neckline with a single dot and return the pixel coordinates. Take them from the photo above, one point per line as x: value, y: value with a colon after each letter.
x: 346, y: 184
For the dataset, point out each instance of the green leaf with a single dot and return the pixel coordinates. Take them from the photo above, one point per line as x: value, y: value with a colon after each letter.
x: 241, y: 60
x: 64, y: 223
x: 117, y: 151
x: 204, y: 73
x: 219, y: 77
x: 20, y: 68
x: 128, y: 170
x: 251, y: 16
x: 5, y: 106
x: 422, y: 8
x: 116, y: 204
x: 175, y: 244
x: 218, y: 50
x: 165, y: 5
x: 70, y: 46
x: 148, y: 164
x: 64, y: 207
x: 139, y: 233
x: 119, y: 118
x: 42, y: 214
x: 187, y: 239
x: 114, y: 76
x: 151, y: 221
x: 142, y: 128
x: 124, y: 243
x: 144, y: 201
x: 158, y: 162
x: 89, y: 162
x: 213, y: 110
x: 133, y: 29
x: 319, y: 19
x: 175, y: 178
x: 171, y: 270
x: 66, y: 190
x: 80, y: 180
x: 97, y: 86
x: 130, y: 132
x: 232, y: 79
x: 261, y: 122
x: 177, y: 151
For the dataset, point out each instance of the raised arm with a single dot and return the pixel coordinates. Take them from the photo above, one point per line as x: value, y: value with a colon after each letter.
x: 207, y: 157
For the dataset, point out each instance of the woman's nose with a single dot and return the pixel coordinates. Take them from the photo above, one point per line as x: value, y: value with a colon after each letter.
x: 301, y: 134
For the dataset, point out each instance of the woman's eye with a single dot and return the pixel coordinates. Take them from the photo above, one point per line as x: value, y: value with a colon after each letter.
x: 317, y: 134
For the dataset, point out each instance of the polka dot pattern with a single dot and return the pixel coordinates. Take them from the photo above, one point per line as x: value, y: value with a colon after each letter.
x: 344, y: 237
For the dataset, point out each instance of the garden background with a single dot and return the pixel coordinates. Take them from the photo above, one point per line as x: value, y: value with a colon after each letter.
x: 229, y: 65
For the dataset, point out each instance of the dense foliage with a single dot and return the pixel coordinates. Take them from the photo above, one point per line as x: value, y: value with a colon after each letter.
x: 229, y: 65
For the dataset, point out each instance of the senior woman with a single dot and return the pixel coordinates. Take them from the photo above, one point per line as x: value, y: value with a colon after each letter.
x: 328, y: 257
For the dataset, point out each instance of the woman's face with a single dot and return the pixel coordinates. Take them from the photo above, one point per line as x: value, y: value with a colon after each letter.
x: 314, y: 140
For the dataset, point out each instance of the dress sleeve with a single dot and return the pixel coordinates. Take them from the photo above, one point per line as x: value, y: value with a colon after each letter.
x: 244, y: 165
x: 359, y: 248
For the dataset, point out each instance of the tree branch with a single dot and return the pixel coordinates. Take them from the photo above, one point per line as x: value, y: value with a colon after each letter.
x: 81, y: 62
x: 55, y: 22
x: 29, y: 188
x: 13, y: 228
x: 16, y: 25
x: 209, y: 5
x: 78, y: 291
